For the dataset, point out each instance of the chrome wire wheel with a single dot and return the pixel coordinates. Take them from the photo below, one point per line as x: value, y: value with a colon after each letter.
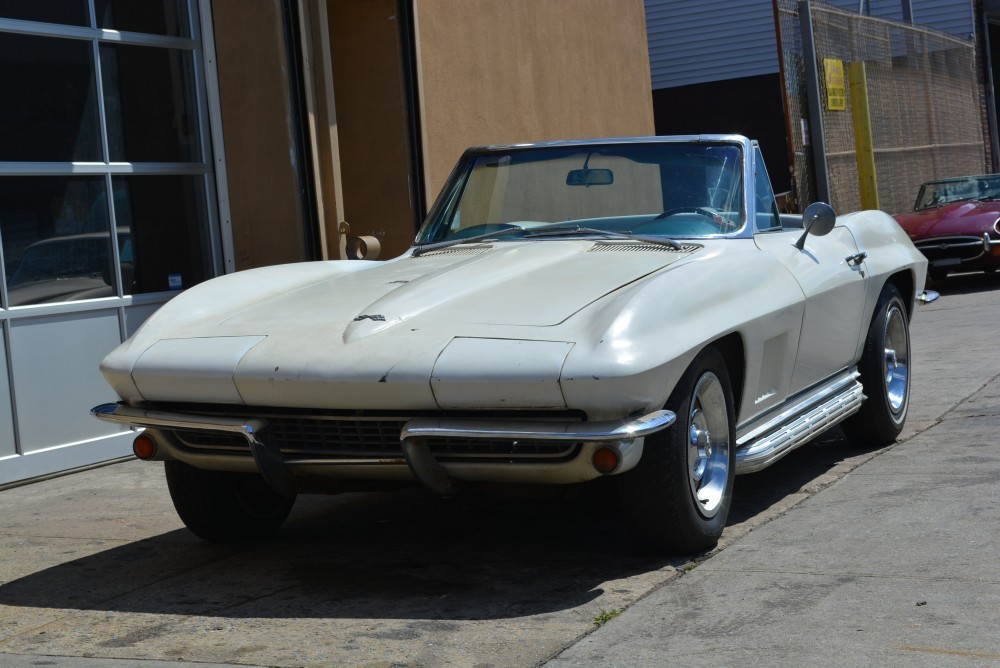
x: 885, y: 369
x: 708, y: 445
x: 896, y: 360
x: 678, y: 496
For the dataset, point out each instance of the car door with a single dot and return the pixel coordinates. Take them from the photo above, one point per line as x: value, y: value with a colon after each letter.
x: 831, y: 274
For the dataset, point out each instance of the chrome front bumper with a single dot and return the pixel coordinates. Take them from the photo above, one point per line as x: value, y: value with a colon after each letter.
x: 621, y: 435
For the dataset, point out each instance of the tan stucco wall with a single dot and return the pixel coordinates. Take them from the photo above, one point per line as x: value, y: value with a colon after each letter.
x: 498, y: 71
x: 257, y: 130
x: 371, y: 118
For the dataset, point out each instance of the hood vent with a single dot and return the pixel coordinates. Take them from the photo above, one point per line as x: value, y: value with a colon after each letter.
x: 472, y: 250
x: 640, y: 247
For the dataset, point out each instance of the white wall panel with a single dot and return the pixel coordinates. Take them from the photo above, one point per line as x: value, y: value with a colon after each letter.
x: 7, y: 444
x: 56, y: 376
x: 136, y: 315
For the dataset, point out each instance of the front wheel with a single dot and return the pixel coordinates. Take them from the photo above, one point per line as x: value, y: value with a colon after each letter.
x: 679, y: 494
x: 885, y: 374
x: 222, y: 506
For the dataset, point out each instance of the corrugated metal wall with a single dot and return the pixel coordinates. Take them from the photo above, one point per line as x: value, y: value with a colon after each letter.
x: 951, y: 16
x: 713, y: 40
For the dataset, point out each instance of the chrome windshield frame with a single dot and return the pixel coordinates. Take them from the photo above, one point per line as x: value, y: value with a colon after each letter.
x: 459, y: 175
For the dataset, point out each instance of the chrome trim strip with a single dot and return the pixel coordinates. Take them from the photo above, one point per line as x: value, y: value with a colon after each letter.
x: 927, y: 296
x: 611, y: 430
x: 434, y: 476
x: 934, y: 244
x: 140, y: 417
x: 773, y: 446
x: 769, y: 422
x: 265, y: 453
x: 422, y: 463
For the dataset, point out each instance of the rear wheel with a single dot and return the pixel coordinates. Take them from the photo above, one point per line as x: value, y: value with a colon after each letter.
x: 885, y: 374
x: 223, y: 506
x: 679, y: 494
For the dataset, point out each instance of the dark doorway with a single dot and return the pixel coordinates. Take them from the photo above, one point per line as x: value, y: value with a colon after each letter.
x: 749, y: 106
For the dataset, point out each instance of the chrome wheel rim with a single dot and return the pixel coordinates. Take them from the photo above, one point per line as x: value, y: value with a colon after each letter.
x: 708, y: 445
x: 896, y: 360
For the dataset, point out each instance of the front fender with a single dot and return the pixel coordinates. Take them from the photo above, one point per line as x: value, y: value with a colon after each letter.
x: 646, y: 335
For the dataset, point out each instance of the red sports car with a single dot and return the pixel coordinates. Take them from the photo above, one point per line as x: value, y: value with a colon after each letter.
x: 956, y: 224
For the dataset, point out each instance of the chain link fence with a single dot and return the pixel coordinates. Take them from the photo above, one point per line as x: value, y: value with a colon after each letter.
x: 926, y: 99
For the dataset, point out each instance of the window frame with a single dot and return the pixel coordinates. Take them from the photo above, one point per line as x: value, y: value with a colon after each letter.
x: 219, y: 239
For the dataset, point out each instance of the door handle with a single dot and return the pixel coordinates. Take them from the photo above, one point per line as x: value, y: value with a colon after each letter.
x: 857, y: 259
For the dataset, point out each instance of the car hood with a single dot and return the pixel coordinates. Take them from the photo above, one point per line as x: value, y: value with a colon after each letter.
x: 529, y: 284
x: 372, y: 334
x: 958, y: 218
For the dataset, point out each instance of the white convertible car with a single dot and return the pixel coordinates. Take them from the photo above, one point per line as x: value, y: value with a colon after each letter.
x: 634, y: 308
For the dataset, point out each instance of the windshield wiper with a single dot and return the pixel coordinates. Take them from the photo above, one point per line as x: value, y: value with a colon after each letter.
x: 438, y: 245
x: 567, y: 230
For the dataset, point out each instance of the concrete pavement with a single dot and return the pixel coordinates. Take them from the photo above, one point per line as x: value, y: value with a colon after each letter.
x: 834, y: 556
x: 895, y: 564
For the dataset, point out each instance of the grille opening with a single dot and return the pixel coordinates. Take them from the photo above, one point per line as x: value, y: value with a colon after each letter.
x: 964, y: 248
x: 332, y: 438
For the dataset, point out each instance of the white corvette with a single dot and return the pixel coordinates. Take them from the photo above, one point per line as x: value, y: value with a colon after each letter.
x: 634, y: 308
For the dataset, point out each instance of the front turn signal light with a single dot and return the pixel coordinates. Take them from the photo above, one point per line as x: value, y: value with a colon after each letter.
x: 606, y: 460
x: 144, y: 447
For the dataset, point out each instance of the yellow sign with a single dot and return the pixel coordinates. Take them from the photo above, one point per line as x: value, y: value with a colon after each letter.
x: 836, y: 98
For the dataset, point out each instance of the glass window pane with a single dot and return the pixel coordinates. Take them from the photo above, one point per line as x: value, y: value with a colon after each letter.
x: 49, y: 113
x: 767, y: 208
x: 168, y: 248
x: 159, y: 17
x: 150, y: 104
x: 71, y: 12
x: 56, y: 245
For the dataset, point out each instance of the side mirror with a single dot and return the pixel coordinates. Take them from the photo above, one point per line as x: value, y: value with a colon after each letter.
x: 817, y: 219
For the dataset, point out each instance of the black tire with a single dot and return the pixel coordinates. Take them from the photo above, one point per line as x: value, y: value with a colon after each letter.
x: 220, y: 506
x: 658, y: 496
x: 885, y: 375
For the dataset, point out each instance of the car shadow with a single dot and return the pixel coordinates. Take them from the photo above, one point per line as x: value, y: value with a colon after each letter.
x: 398, y: 555
x: 966, y: 284
x: 756, y: 492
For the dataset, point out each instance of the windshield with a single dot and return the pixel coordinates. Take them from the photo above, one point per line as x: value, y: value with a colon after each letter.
x: 675, y: 189
x: 936, y: 193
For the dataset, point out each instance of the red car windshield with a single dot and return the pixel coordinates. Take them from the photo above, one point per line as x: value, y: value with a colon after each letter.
x: 937, y: 193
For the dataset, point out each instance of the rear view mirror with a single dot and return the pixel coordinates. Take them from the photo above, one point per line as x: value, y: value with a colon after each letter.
x: 590, y: 177
x: 819, y: 219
